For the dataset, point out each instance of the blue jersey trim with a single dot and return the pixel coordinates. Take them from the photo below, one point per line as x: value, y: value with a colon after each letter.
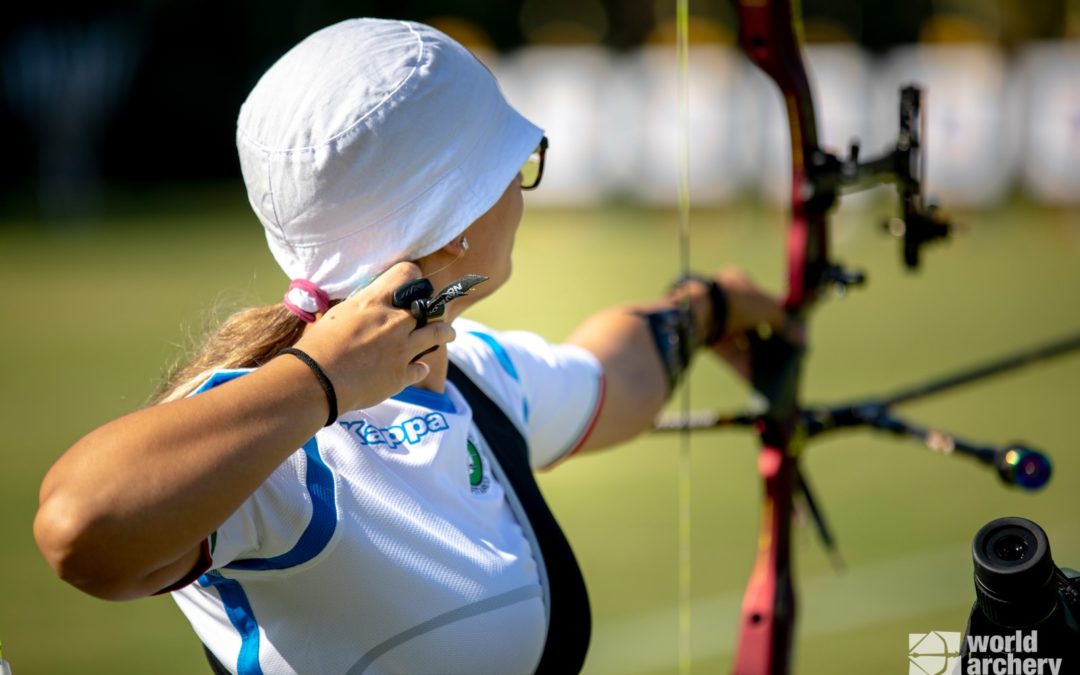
x: 320, y: 529
x: 426, y: 399
x: 500, y: 354
x: 504, y: 360
x: 221, y: 377
x: 238, y: 609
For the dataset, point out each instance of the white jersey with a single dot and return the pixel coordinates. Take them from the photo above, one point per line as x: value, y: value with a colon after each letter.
x: 387, y: 543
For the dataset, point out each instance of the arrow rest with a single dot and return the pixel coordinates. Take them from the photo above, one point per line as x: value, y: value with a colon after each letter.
x: 843, y: 278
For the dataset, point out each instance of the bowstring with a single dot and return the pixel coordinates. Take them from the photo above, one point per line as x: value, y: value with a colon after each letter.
x: 682, y: 56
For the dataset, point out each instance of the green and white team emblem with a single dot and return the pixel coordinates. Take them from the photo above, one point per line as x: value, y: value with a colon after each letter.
x: 478, y: 482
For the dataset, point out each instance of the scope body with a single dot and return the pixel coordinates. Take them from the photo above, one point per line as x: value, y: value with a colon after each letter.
x: 1026, y: 616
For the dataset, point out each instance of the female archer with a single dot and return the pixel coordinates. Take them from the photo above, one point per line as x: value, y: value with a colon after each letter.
x: 316, y: 497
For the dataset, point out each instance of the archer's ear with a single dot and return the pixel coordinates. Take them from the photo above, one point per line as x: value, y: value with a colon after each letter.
x: 456, y: 247
x: 438, y: 260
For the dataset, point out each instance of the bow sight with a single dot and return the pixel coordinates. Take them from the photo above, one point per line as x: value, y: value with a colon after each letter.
x: 919, y: 223
x: 769, y: 36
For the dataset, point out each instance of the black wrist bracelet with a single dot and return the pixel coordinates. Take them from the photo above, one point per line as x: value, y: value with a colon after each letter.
x: 719, y: 302
x: 324, y: 381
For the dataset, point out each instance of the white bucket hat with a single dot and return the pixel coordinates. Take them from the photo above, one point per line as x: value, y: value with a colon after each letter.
x: 372, y: 142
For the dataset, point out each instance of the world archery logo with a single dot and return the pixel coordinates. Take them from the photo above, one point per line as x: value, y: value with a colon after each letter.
x: 934, y: 653
x: 478, y: 482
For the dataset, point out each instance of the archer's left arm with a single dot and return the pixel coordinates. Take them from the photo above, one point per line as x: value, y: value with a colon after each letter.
x: 638, y: 346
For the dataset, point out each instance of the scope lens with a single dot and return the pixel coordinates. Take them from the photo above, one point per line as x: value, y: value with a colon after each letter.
x: 1011, y: 548
x: 1014, y: 572
x: 1008, y: 547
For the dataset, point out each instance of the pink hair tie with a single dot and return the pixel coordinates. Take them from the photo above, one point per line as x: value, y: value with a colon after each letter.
x: 305, y: 299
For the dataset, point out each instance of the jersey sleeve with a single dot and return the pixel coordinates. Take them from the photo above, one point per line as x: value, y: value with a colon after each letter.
x: 270, y: 522
x: 274, y: 517
x: 552, y: 392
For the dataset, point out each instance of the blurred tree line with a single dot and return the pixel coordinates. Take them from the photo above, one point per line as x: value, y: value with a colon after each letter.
x: 97, y: 93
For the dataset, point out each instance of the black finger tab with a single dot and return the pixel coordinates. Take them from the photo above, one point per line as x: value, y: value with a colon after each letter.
x: 417, y: 289
x: 415, y: 296
x: 455, y: 290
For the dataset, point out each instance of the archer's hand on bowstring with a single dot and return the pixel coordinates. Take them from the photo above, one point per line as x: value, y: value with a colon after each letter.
x: 366, y: 345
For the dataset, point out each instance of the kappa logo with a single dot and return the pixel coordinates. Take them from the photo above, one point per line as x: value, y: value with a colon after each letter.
x: 409, y: 432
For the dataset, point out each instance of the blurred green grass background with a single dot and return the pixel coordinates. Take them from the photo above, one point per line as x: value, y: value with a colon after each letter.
x: 94, y: 312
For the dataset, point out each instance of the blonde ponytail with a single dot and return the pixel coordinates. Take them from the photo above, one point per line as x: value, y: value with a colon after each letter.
x: 247, y: 339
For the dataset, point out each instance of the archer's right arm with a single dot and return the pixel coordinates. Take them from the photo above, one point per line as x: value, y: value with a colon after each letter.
x: 124, y: 512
